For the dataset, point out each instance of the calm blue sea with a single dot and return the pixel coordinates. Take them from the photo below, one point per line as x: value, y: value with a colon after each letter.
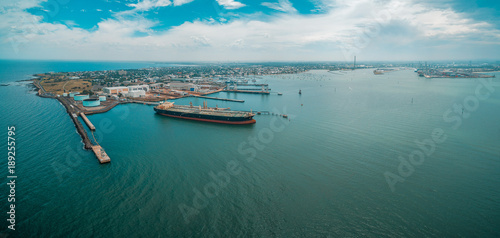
x: 322, y: 172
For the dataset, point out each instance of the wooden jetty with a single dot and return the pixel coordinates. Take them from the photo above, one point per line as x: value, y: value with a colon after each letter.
x: 87, y: 121
x: 74, y: 117
x: 251, y: 84
x: 101, y: 154
x: 73, y: 114
x: 252, y: 89
x: 222, y: 99
x: 145, y: 102
x: 248, y: 91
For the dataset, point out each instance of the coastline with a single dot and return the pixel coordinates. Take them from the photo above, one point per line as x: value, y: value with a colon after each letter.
x: 74, y: 113
x: 79, y: 127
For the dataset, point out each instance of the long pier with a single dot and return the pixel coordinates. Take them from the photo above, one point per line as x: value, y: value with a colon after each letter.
x: 252, y: 89
x: 73, y: 114
x: 79, y: 127
x: 87, y: 121
x: 250, y: 84
x: 247, y: 91
x: 145, y: 102
x: 221, y: 99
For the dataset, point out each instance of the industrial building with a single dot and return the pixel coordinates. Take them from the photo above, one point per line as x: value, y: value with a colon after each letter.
x: 136, y: 94
x: 144, y: 88
x: 183, y: 86
x: 155, y: 86
x: 115, y: 90
x: 180, y: 93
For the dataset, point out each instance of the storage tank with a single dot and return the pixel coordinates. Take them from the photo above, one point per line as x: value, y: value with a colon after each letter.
x: 91, y: 102
x: 102, y: 98
x: 72, y: 94
x: 81, y: 97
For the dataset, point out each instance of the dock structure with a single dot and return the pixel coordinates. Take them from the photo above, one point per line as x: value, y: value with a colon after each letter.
x: 254, y: 89
x: 222, y: 99
x: 87, y: 121
x: 100, y: 154
x: 73, y: 113
x: 233, y: 87
x: 248, y: 91
x: 145, y: 102
x: 74, y: 117
x: 252, y: 84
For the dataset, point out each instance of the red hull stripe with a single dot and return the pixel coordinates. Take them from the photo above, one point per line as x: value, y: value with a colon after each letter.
x: 215, y: 121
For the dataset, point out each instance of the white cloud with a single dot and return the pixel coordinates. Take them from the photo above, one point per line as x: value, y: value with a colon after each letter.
x: 70, y: 23
x: 378, y: 31
x: 20, y: 4
x: 201, y: 40
x: 230, y: 4
x: 146, y: 5
x: 239, y: 43
x: 181, y: 2
x: 282, y: 5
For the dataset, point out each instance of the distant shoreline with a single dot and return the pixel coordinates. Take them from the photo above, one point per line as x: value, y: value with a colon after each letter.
x: 487, y: 72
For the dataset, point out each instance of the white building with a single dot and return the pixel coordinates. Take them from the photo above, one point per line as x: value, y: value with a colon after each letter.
x: 182, y: 86
x: 181, y: 93
x: 155, y: 86
x: 136, y: 94
x: 133, y: 88
x: 115, y: 90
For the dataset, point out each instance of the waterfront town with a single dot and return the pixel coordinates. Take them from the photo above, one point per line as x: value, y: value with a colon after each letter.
x: 161, y: 83
x: 90, y: 92
x: 99, y: 91
x: 156, y: 84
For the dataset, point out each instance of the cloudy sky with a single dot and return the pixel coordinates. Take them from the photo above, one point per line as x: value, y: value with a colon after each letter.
x: 250, y: 30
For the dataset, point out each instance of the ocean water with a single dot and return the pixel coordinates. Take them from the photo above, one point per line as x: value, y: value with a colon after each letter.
x: 319, y: 173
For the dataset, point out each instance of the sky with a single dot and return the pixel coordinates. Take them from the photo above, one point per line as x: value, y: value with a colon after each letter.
x: 250, y: 30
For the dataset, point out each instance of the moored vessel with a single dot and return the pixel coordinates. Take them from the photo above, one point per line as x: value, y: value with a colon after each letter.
x: 216, y: 115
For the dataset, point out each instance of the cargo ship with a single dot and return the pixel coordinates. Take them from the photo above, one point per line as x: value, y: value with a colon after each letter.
x: 216, y: 115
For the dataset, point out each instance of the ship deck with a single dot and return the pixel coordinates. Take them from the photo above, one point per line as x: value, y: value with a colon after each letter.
x: 209, y: 111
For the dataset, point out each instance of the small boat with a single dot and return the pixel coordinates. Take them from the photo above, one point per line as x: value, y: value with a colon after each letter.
x: 279, y: 94
x: 300, y: 91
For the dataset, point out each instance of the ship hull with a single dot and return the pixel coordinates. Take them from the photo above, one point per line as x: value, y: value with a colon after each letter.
x: 207, y: 118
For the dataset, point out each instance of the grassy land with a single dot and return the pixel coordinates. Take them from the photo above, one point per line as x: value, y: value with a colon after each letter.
x: 57, y: 85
